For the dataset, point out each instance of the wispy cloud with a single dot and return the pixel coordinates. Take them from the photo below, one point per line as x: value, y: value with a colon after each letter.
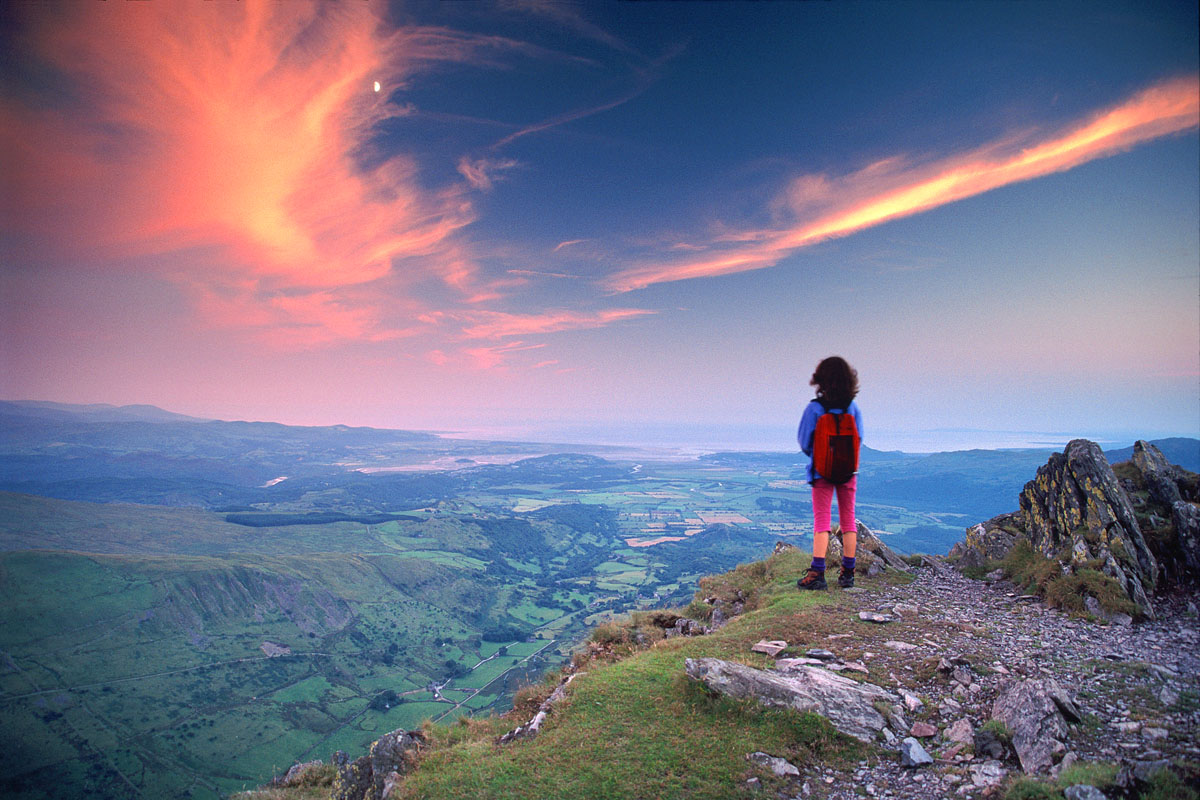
x: 534, y: 273
x: 490, y: 357
x: 571, y: 116
x: 829, y: 207
x: 480, y: 172
x: 498, y: 325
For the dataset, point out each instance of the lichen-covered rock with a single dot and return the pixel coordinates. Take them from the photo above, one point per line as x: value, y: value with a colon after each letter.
x: 365, y: 778
x: 850, y: 706
x: 1075, y: 510
x: 1186, y: 518
x: 1161, y: 477
x: 987, y: 541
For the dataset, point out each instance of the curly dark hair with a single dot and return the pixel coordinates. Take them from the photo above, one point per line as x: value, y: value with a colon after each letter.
x: 836, y: 382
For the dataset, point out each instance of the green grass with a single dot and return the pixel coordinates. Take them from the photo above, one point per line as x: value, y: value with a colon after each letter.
x: 637, y: 727
x: 1044, y: 577
x: 1164, y: 784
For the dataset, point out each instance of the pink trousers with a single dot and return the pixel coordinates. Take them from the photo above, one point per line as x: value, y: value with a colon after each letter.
x: 822, y: 503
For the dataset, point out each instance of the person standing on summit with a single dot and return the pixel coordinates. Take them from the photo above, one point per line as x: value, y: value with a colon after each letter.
x: 830, y: 433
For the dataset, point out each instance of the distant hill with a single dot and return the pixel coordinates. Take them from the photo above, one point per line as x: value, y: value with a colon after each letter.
x: 92, y: 412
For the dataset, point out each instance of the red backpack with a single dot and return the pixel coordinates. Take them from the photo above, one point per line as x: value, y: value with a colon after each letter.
x: 835, y: 446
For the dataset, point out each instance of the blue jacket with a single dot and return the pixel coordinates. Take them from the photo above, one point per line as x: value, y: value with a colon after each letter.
x: 808, y: 426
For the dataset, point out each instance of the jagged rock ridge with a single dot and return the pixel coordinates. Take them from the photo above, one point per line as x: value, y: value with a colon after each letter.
x: 1078, y: 511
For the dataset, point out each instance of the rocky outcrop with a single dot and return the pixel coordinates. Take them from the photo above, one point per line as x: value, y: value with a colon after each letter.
x: 1036, y: 713
x: 299, y: 774
x: 868, y: 544
x: 1160, y: 477
x: 531, y: 728
x: 1141, y: 529
x: 988, y: 541
x: 1076, y: 511
x: 370, y: 777
x: 847, y: 704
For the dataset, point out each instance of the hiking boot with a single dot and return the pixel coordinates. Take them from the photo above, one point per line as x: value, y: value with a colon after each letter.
x: 846, y: 578
x: 813, y: 580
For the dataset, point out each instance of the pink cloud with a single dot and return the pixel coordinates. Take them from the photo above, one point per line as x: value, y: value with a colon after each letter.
x: 229, y: 130
x: 494, y: 356
x: 497, y: 325
x: 826, y: 208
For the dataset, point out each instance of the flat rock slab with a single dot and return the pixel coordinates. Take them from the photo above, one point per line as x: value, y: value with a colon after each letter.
x: 853, y: 666
x: 847, y: 704
x: 990, y: 773
x: 875, y: 616
x: 923, y: 730
x: 785, y: 664
x: 900, y: 645
x: 772, y: 648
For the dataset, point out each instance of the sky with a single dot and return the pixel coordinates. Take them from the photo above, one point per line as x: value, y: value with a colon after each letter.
x: 638, y: 221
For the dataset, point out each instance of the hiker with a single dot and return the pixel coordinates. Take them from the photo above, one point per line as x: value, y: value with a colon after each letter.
x: 829, y: 434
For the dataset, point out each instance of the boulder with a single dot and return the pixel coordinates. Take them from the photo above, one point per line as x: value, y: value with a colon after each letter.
x: 1036, y: 713
x: 961, y: 732
x: 365, y: 778
x: 1075, y: 510
x: 913, y: 755
x: 923, y: 730
x: 847, y: 704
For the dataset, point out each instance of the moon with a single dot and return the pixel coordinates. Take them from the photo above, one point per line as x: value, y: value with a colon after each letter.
x: 377, y: 87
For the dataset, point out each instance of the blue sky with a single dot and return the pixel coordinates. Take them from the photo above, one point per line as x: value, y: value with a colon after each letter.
x: 582, y: 220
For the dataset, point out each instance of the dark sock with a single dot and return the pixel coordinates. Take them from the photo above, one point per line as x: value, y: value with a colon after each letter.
x: 848, y: 564
x: 818, y: 564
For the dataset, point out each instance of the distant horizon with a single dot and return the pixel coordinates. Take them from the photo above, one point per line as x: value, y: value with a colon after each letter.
x: 695, y: 438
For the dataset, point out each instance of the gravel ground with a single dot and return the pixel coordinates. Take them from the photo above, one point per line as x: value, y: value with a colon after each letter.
x: 1137, y: 686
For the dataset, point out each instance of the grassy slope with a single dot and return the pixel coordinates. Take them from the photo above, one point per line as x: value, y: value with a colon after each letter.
x: 637, y: 727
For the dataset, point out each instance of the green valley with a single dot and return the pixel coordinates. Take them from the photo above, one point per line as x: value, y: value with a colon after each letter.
x: 191, y: 607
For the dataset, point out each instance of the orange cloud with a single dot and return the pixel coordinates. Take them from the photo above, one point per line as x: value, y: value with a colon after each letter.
x: 828, y: 208
x: 232, y: 129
